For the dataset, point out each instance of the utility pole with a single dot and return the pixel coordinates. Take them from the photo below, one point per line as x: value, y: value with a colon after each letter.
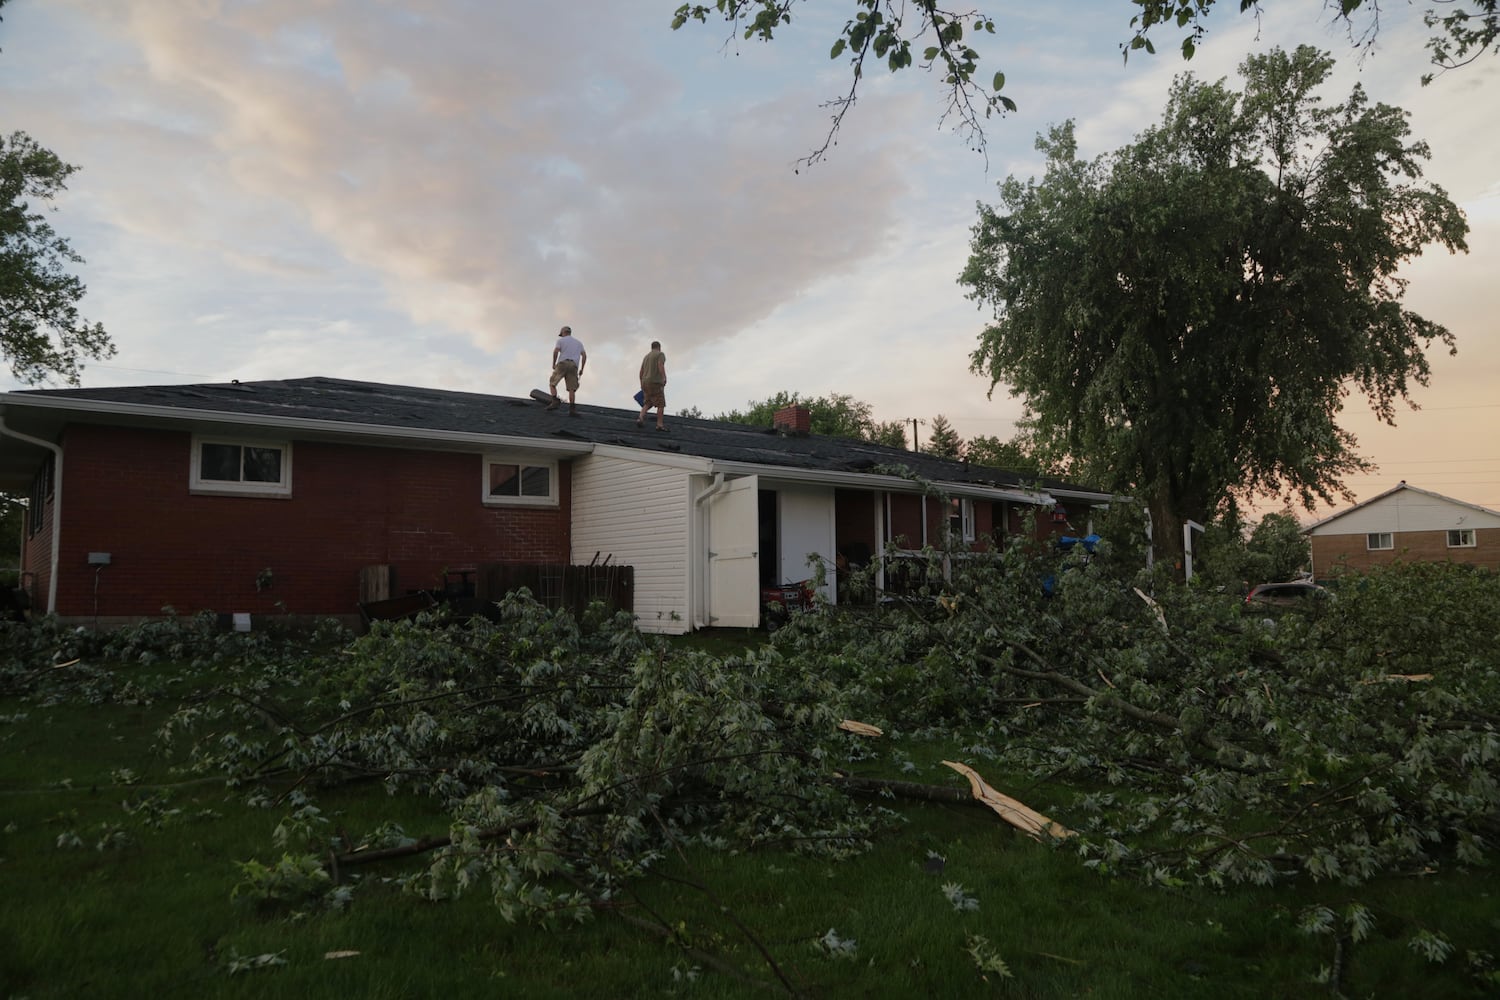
x: 916, y: 443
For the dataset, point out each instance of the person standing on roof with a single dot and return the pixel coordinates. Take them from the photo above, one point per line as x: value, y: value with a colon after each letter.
x: 653, y: 385
x: 568, y: 360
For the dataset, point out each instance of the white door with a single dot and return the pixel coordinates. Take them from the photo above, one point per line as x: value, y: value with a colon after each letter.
x: 733, y: 559
x: 804, y: 523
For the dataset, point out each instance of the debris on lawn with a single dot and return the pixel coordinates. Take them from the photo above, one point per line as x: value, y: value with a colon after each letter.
x: 1018, y: 815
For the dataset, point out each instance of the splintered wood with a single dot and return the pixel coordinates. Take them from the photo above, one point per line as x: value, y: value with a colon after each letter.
x: 860, y: 728
x: 1020, y: 816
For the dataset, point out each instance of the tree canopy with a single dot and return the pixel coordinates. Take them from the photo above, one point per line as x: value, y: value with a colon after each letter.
x: 1190, y: 312
x: 1278, y: 549
x: 1462, y: 30
x: 925, y: 33
x: 943, y: 441
x: 1014, y: 455
x: 836, y: 415
x: 41, y: 333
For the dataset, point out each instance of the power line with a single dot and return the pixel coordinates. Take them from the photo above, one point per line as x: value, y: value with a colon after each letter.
x: 152, y: 371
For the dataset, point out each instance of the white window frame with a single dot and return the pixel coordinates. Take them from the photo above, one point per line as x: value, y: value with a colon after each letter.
x: 965, y: 518
x: 524, y: 461
x: 197, y: 484
x: 1462, y: 533
x: 1374, y: 538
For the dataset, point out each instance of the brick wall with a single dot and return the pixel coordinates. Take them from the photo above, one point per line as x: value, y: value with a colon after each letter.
x: 1332, y: 554
x: 793, y: 419
x: 125, y: 492
x: 906, y: 521
x: 984, y: 526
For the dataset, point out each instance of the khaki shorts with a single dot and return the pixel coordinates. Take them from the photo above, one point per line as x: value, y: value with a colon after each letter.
x: 653, y: 394
x: 566, y: 371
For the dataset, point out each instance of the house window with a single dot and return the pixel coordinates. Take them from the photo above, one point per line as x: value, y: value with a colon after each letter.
x: 242, y: 467
x: 41, y: 493
x: 961, y: 519
x: 512, y: 480
x: 1460, y: 538
x: 1379, y: 540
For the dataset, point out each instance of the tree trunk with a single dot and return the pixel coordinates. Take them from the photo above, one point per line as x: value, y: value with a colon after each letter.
x: 1166, y: 531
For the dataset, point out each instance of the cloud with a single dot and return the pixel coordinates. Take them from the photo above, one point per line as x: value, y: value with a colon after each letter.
x: 493, y: 173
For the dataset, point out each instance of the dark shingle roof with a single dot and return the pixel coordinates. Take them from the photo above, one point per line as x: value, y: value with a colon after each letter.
x: 439, y: 410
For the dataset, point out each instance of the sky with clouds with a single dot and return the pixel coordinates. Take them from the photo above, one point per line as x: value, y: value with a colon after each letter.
x: 422, y: 192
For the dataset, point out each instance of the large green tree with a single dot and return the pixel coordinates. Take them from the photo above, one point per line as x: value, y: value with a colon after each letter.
x: 1189, y: 313
x: 943, y: 441
x: 41, y: 333
x: 899, y: 34
x: 1015, y: 455
x: 1278, y: 548
x: 836, y: 415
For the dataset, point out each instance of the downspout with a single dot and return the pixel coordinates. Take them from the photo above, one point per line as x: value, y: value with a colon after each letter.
x: 700, y: 605
x: 57, y: 466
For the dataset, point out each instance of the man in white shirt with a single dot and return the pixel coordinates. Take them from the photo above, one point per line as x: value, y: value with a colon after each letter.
x: 568, y: 360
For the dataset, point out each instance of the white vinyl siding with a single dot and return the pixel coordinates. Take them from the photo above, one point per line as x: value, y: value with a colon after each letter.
x: 639, y: 515
x: 1404, y: 511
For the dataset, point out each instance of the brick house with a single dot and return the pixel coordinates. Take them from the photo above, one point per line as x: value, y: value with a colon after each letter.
x: 1407, y: 524
x: 274, y: 497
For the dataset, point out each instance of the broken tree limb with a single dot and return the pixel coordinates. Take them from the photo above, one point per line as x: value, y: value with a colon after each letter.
x: 1159, y: 719
x: 860, y: 728
x: 1017, y: 814
x: 904, y: 789
x: 374, y: 855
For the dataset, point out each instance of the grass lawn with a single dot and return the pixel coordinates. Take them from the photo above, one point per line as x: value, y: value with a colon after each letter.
x: 101, y: 900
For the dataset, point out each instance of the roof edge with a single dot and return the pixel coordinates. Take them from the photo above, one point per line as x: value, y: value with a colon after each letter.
x: 336, y: 427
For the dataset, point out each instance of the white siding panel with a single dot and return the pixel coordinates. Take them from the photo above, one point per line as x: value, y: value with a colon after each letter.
x: 639, y: 514
x: 1406, y: 510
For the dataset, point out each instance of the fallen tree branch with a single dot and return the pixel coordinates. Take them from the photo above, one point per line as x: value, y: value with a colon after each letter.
x: 1159, y: 719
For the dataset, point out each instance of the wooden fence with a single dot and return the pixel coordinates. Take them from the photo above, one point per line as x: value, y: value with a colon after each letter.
x: 560, y: 586
x: 476, y: 589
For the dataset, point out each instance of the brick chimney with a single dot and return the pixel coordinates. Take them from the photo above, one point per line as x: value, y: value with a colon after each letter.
x: 794, y: 419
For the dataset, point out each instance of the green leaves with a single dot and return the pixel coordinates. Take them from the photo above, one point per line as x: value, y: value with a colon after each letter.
x: 891, y: 32
x: 41, y: 332
x: 1214, y: 250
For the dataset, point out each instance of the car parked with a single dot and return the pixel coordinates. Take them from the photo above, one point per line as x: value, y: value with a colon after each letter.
x: 1303, y: 594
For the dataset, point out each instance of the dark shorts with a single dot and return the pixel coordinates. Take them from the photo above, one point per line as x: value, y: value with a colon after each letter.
x: 566, y: 371
x: 654, y: 394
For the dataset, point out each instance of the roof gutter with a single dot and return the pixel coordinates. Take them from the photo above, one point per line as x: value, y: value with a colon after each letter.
x: 57, y: 497
x: 337, y: 427
x: 889, y: 483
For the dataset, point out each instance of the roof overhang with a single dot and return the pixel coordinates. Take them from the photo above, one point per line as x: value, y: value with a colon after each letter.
x: 1088, y: 496
x: 876, y: 481
x: 44, y: 417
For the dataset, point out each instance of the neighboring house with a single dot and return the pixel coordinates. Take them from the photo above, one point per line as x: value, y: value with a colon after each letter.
x: 273, y: 497
x: 1405, y: 523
